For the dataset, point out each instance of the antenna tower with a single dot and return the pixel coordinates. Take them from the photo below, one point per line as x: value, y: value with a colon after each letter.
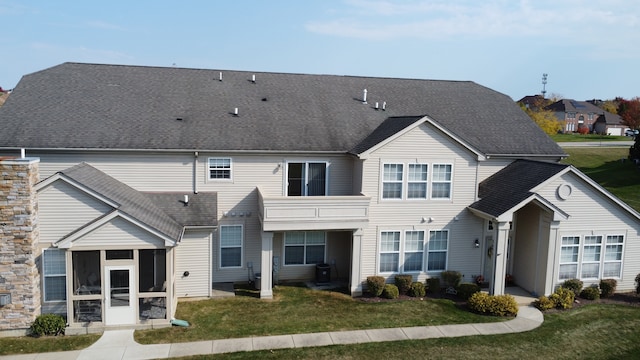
x: 544, y: 84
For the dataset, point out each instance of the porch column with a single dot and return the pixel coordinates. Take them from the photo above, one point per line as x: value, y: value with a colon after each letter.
x: 355, y: 283
x: 500, y: 260
x: 266, y: 266
x: 553, y: 254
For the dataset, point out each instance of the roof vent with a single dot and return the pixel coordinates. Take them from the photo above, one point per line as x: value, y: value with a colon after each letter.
x: 376, y: 107
x: 235, y: 111
x: 384, y: 106
x: 179, y: 119
x: 253, y: 78
x: 220, y: 77
x: 364, y: 96
x: 186, y: 200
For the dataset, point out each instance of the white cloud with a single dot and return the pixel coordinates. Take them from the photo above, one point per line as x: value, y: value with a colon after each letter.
x: 441, y: 19
x: 103, y: 25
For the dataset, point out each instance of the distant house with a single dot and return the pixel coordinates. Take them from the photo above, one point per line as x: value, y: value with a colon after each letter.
x: 122, y: 196
x: 577, y: 114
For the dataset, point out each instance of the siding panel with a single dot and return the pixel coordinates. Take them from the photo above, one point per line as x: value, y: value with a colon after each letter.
x: 193, y: 254
x: 120, y: 234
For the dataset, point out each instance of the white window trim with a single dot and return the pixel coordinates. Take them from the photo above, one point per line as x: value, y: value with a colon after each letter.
x: 45, y: 276
x: 581, y: 245
x: 427, y: 252
x: 403, y: 246
x: 285, y: 182
x: 304, y: 253
x: 450, y: 182
x: 404, y: 192
x: 380, y: 252
x: 220, y: 247
x: 209, y: 168
x: 599, y: 262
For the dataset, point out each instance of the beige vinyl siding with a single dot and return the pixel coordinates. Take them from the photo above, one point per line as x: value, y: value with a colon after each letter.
x: 193, y: 254
x: 62, y: 208
x: 491, y: 166
x: 425, y: 144
x: 592, y: 213
x: 119, y: 234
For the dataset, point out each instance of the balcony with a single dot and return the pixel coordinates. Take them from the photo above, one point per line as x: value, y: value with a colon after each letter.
x: 287, y: 213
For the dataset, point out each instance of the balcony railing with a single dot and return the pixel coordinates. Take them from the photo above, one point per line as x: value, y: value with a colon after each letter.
x: 286, y: 213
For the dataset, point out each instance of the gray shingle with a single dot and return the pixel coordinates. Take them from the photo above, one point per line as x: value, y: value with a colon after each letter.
x: 130, y: 107
x: 511, y: 185
x: 163, y: 212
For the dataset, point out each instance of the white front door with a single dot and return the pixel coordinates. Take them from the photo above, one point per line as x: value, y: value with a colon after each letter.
x: 120, y: 306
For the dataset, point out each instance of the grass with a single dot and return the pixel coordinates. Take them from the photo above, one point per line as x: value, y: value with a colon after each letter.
x: 588, y: 137
x: 595, y: 331
x: 605, y: 166
x: 297, y: 310
x: 29, y: 345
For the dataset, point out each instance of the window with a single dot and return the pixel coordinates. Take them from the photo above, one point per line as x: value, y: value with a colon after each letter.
x: 441, y: 182
x: 219, y: 168
x: 569, y: 257
x: 437, y: 250
x: 571, y: 115
x: 581, y: 119
x: 413, y: 250
x: 231, y: 246
x: 54, y: 271
x: 153, y: 270
x: 306, y: 178
x: 304, y: 247
x: 392, y: 181
x: 613, y: 256
x: 389, y: 251
x: 591, y: 257
x: 590, y: 117
x: 417, y: 181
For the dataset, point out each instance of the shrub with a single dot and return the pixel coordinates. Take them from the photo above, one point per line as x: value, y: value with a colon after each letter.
x: 590, y: 293
x: 48, y: 324
x: 417, y: 289
x: 607, y: 287
x: 638, y: 276
x: 451, y: 278
x: 496, y: 305
x: 375, y: 285
x: 574, y: 285
x: 403, y: 282
x: 465, y: 290
x: 433, y: 285
x: 544, y: 303
x: 583, y: 130
x: 563, y: 298
x: 390, y: 292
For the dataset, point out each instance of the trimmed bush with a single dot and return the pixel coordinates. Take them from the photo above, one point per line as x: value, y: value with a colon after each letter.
x: 590, y: 293
x: 48, y: 324
x: 403, y: 282
x: 574, y: 285
x: 417, y: 290
x: 465, y: 290
x: 375, y: 285
x: 638, y: 276
x: 451, y: 278
x: 544, y: 303
x: 563, y: 298
x: 607, y: 287
x: 433, y: 285
x: 496, y: 305
x: 390, y: 292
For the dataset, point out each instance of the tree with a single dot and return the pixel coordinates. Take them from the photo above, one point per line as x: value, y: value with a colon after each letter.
x: 629, y: 111
x: 545, y: 119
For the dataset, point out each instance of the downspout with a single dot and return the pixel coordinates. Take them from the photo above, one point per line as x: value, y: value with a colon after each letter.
x: 195, y: 172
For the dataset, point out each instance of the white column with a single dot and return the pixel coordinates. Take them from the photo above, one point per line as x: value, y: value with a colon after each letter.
x: 500, y: 259
x: 266, y: 266
x: 355, y: 281
x: 553, y: 258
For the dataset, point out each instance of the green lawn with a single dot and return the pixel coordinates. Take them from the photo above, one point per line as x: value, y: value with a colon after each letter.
x: 297, y: 310
x: 588, y: 137
x: 606, y: 167
x: 591, y: 332
x: 29, y: 345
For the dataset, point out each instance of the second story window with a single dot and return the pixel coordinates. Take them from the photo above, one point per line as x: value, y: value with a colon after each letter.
x: 306, y: 179
x: 219, y: 168
x: 441, y: 182
x: 392, y: 181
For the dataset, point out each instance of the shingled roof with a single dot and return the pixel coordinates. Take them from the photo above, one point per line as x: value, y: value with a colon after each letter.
x: 165, y: 212
x: 90, y: 106
x: 510, y: 186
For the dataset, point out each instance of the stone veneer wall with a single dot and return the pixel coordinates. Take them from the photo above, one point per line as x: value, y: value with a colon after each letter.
x: 19, y: 242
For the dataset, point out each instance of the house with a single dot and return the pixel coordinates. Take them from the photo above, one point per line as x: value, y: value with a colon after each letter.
x: 129, y: 188
x: 577, y: 114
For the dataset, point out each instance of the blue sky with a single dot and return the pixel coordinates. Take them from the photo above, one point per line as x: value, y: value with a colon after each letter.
x: 590, y: 49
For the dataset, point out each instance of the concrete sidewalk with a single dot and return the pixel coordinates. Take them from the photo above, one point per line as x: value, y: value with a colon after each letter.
x: 119, y: 344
